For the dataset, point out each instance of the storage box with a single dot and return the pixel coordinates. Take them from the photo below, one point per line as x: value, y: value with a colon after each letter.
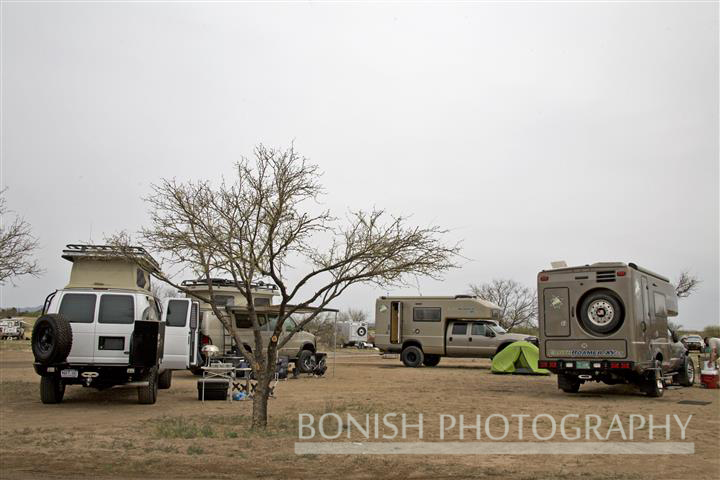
x: 215, y: 388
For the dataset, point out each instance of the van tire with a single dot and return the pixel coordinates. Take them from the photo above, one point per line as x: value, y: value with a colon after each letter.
x: 686, y: 376
x: 51, y: 339
x: 412, y: 356
x: 52, y: 390
x: 165, y: 380
x: 306, y: 361
x: 603, y: 300
x: 148, y: 395
x: 431, y: 360
x: 568, y: 384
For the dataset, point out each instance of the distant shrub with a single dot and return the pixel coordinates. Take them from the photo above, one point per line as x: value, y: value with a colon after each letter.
x: 711, y: 331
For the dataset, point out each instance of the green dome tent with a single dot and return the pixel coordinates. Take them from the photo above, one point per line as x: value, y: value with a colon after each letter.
x: 518, y: 357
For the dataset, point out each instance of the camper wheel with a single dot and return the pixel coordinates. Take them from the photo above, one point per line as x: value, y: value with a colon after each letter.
x: 686, y: 376
x: 568, y: 383
x: 431, y: 360
x: 653, y: 385
x: 412, y: 356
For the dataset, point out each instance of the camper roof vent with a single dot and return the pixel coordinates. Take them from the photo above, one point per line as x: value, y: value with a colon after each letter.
x: 605, y: 276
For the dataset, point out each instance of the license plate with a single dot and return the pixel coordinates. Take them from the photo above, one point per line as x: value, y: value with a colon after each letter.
x: 583, y: 364
x: 69, y: 373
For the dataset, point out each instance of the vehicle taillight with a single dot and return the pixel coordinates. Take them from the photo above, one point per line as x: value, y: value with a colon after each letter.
x: 544, y: 278
x: 547, y: 364
x: 620, y: 273
x: 621, y: 365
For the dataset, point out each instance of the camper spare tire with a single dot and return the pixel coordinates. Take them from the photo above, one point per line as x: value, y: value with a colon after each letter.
x: 51, y: 339
x: 601, y: 312
x: 412, y: 356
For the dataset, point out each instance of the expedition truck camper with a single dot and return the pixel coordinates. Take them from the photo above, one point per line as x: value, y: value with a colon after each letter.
x: 424, y: 329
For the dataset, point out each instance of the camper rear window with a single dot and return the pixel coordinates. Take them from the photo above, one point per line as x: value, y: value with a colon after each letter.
x: 426, y: 314
x: 78, y: 307
x: 117, y: 309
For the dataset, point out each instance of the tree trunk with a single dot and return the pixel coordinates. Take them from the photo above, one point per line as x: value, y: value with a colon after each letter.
x: 260, y: 400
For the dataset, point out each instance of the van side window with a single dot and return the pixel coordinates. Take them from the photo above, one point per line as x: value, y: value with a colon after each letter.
x: 660, y: 307
x: 261, y: 301
x: 224, y: 300
x: 426, y: 314
x: 78, y: 307
x: 117, y: 309
x: 459, y: 328
x: 140, y: 280
x: 176, y: 313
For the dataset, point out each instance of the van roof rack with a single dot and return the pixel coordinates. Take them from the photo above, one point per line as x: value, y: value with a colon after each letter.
x: 225, y: 282
x: 75, y: 251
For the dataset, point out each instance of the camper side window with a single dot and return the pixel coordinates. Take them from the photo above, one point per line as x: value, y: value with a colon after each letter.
x: 426, y: 314
x: 660, y: 307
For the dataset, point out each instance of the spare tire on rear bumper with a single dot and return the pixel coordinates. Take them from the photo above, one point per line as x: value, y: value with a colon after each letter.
x: 51, y: 339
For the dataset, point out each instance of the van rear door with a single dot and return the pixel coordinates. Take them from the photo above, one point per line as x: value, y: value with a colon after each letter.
x: 115, y: 324
x: 80, y: 309
x: 181, y: 317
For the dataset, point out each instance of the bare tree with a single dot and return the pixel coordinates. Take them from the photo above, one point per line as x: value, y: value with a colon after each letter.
x: 686, y: 284
x: 267, y: 219
x: 517, y: 302
x: 17, y: 246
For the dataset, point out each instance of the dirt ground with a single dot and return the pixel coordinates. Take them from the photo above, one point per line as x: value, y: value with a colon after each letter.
x: 108, y: 435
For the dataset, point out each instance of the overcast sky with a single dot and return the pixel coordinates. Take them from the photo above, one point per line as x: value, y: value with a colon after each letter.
x: 535, y: 132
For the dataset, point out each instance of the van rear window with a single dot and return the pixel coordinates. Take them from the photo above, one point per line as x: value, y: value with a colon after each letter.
x: 176, y: 313
x: 117, y: 309
x: 78, y: 307
x: 426, y: 314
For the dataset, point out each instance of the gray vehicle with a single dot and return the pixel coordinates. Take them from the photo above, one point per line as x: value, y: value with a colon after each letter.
x: 302, y: 347
x: 608, y: 322
x: 12, y: 329
x: 424, y: 329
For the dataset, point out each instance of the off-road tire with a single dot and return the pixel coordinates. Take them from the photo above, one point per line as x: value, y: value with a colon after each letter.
x: 412, y: 356
x: 686, y: 376
x: 52, y: 389
x: 611, y: 303
x: 148, y: 395
x: 51, y: 339
x: 306, y: 362
x: 653, y: 385
x: 165, y: 380
x: 568, y: 384
x: 431, y: 360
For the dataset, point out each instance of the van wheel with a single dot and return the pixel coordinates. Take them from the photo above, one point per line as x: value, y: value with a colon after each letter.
x: 654, y: 386
x: 412, y: 356
x: 148, y: 395
x: 568, y: 384
x: 165, y: 380
x: 306, y: 361
x: 52, y: 390
x: 431, y: 360
x: 51, y: 339
x: 686, y: 376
